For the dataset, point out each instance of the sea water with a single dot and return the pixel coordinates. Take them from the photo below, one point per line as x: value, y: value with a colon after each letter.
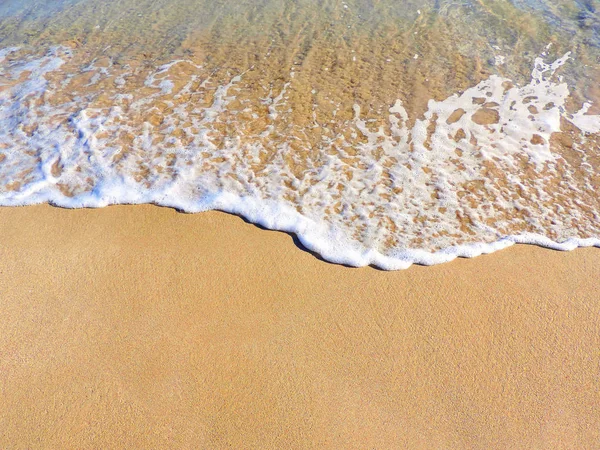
x: 379, y: 132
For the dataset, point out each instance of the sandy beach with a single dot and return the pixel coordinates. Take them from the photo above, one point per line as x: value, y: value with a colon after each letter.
x: 142, y: 327
x: 382, y: 133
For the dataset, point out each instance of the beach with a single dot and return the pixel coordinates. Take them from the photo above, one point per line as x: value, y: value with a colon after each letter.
x: 296, y: 224
x: 143, y: 327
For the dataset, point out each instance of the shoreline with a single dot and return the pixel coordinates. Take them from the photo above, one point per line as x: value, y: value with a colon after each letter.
x: 142, y: 326
x: 307, y: 235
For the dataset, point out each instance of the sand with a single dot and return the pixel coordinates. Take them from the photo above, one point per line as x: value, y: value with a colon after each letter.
x: 141, y: 327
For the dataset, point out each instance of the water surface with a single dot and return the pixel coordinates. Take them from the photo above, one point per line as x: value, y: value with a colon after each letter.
x: 381, y: 132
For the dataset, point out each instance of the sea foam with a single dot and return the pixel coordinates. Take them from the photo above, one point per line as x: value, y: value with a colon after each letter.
x: 477, y: 173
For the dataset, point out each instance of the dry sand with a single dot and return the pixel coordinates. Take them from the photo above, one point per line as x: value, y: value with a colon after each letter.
x: 140, y: 327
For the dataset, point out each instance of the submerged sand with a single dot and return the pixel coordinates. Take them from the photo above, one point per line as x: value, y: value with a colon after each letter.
x: 371, y: 128
x: 140, y: 327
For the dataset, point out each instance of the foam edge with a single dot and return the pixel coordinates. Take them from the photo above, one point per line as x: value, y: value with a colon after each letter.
x: 328, y: 243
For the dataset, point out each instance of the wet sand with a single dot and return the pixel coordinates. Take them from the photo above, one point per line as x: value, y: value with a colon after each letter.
x: 140, y: 327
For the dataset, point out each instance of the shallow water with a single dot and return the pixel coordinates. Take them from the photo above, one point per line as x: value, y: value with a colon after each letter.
x: 382, y: 132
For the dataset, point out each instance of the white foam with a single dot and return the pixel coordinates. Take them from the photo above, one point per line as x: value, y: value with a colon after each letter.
x: 399, y: 173
x: 585, y: 122
x: 331, y: 244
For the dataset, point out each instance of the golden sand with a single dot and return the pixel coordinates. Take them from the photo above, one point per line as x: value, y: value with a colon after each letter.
x: 140, y: 327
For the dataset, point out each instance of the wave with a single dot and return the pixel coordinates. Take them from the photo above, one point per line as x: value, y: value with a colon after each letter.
x: 481, y: 170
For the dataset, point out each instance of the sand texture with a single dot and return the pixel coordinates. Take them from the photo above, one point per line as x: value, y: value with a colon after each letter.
x: 141, y: 327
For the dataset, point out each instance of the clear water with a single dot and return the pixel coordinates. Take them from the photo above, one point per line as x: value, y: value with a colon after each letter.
x: 382, y: 132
